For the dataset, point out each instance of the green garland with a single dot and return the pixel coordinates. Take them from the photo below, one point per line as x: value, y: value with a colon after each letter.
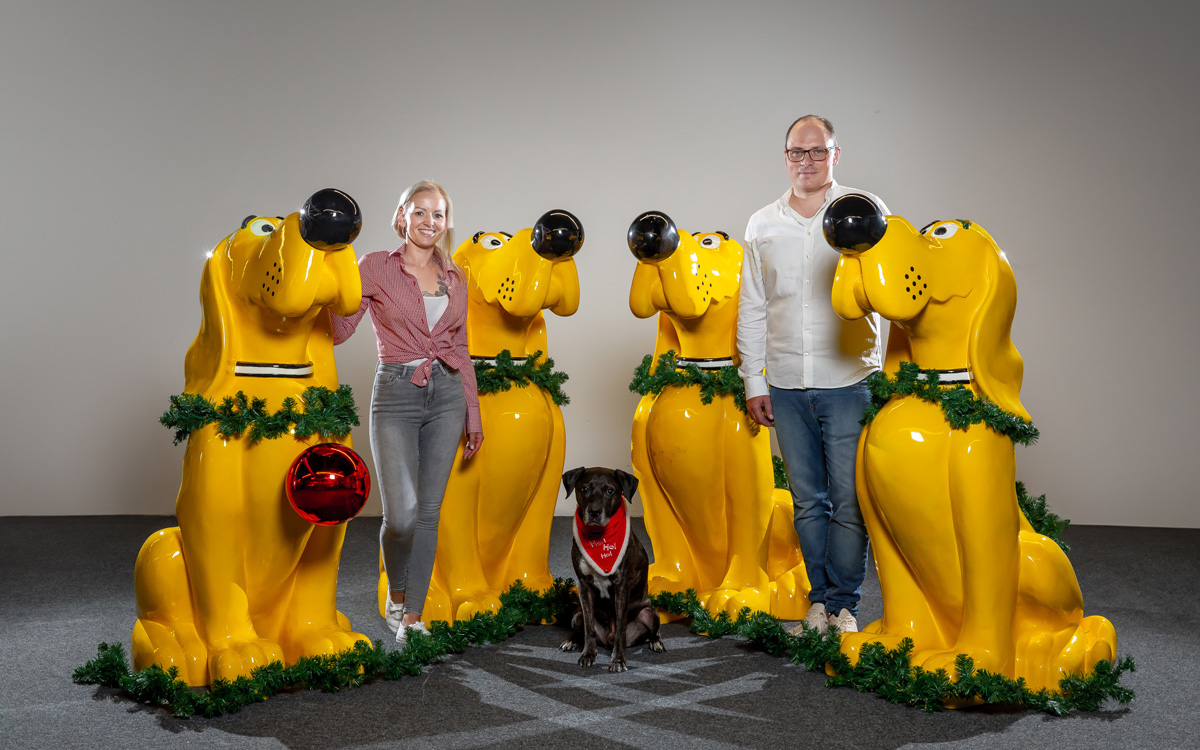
x: 886, y: 673
x: 781, y: 477
x: 890, y: 674
x: 1040, y: 517
x: 326, y: 413
x: 723, y: 382
x: 505, y: 374
x: 960, y: 405
x: 348, y: 669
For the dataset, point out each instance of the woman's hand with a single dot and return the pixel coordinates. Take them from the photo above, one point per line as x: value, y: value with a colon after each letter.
x: 474, y: 440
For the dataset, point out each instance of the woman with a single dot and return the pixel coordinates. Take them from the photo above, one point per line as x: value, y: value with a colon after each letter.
x: 424, y: 390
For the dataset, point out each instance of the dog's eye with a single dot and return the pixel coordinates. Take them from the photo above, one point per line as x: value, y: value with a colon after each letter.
x: 710, y: 240
x: 944, y: 230
x: 261, y: 227
x: 609, y: 490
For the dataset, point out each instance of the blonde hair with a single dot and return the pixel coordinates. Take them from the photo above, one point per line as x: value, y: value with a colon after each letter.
x: 445, y: 245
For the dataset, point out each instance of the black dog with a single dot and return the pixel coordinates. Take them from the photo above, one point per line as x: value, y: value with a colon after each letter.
x: 613, y: 599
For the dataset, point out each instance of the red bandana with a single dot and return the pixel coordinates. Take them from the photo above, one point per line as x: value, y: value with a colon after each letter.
x: 604, y: 548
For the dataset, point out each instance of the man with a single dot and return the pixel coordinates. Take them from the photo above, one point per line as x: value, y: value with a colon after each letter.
x: 815, y: 363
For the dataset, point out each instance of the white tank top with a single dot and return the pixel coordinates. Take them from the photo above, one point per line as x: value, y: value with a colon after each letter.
x: 435, y: 308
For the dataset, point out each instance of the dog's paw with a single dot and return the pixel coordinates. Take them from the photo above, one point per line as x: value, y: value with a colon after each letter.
x: 617, y: 665
x: 587, y: 659
x: 657, y: 646
x: 569, y: 645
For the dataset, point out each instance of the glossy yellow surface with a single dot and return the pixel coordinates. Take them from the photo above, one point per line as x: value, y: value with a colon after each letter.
x: 960, y: 567
x: 498, y: 507
x: 716, y: 522
x: 243, y: 580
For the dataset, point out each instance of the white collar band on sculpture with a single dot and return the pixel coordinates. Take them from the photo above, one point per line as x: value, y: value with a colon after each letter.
x: 947, y: 377
x: 272, y: 370
x: 492, y: 360
x: 712, y: 363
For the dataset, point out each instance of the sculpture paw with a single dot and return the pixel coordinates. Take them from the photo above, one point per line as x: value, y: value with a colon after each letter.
x: 732, y: 600
x: 662, y: 584
x: 484, y: 601
x: 933, y: 660
x: 231, y: 659
x: 852, y: 643
x: 317, y: 641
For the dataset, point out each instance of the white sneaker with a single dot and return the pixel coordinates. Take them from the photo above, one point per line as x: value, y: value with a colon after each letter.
x: 844, y: 622
x: 817, y: 618
x: 393, y: 613
x: 402, y: 633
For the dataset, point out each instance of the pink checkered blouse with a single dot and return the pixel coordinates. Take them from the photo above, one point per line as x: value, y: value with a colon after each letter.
x: 402, y: 334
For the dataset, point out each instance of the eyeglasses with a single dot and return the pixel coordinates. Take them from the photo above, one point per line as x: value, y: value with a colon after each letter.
x: 820, y: 153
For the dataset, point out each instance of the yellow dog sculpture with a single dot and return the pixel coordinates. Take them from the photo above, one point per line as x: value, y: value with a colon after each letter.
x: 961, y: 569
x: 244, y: 580
x: 715, y: 521
x: 498, y: 507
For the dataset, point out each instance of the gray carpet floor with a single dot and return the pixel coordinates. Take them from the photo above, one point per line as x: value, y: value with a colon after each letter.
x: 66, y: 584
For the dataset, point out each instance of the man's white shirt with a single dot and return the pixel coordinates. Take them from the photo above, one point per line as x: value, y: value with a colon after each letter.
x: 786, y: 322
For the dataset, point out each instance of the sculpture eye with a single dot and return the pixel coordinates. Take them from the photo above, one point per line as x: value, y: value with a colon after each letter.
x: 944, y: 230
x: 261, y: 227
x: 491, y: 242
x: 710, y: 240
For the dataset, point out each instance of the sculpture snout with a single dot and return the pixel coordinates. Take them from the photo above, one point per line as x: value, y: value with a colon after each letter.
x: 853, y: 223
x: 557, y: 235
x: 330, y: 220
x: 653, y: 237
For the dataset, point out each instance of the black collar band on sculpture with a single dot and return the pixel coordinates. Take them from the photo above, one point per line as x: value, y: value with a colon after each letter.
x: 704, y: 363
x: 491, y: 361
x: 272, y: 370
x: 947, y: 377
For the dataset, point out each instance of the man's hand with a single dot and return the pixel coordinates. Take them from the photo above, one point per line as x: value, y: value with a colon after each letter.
x: 760, y: 410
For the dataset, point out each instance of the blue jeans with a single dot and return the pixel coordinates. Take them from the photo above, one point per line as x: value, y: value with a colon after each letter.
x: 415, y: 432
x: 818, y: 432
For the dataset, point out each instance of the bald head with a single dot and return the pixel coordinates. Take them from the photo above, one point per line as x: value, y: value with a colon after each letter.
x: 824, y: 124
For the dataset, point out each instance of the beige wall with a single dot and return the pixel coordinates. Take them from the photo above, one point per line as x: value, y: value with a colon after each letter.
x: 137, y: 134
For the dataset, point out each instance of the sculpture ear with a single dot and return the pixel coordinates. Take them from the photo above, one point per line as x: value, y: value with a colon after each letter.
x: 628, y: 484
x: 212, y: 352
x: 996, y: 365
x: 571, y: 477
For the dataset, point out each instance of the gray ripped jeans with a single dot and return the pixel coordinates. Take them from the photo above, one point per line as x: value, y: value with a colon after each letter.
x: 415, y: 432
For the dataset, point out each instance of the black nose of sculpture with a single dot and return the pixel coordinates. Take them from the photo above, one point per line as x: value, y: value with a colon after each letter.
x: 557, y: 234
x: 330, y: 220
x: 653, y: 236
x: 853, y: 223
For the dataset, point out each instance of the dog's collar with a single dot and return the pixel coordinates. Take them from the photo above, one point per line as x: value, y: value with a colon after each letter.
x: 704, y: 363
x: 604, y: 549
x: 491, y: 361
x: 947, y: 377
x: 272, y: 370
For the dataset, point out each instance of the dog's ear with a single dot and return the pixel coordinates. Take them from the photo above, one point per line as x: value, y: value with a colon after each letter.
x: 627, y: 482
x: 571, y: 477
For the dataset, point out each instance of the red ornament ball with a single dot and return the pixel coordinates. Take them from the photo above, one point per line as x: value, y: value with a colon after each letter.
x: 328, y: 484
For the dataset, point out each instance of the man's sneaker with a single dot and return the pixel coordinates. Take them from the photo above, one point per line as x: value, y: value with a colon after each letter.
x: 817, y: 618
x: 844, y: 622
x: 402, y: 633
x: 392, y: 613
